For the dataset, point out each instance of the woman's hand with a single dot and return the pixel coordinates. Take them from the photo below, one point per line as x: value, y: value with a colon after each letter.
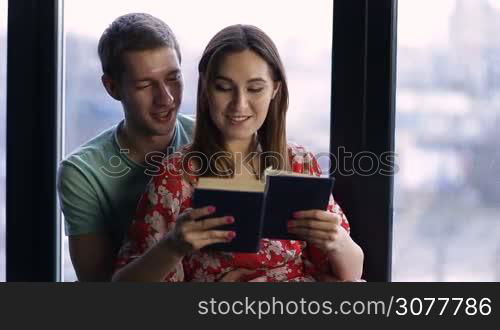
x: 190, y: 235
x: 321, y: 228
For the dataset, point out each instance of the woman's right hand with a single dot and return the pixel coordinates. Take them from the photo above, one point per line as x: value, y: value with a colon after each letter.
x: 190, y: 234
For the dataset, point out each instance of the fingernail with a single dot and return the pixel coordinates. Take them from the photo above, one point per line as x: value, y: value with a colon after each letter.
x: 229, y: 219
x: 296, y: 214
x: 231, y: 235
x: 211, y: 209
x: 290, y: 224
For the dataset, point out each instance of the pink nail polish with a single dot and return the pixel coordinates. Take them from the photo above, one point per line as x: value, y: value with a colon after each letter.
x: 211, y: 209
x: 231, y: 235
x: 229, y: 219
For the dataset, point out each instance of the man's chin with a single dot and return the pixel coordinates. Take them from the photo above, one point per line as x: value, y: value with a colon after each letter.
x: 162, y: 128
x: 162, y: 131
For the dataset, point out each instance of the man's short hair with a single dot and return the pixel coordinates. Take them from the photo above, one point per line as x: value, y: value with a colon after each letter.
x: 133, y: 32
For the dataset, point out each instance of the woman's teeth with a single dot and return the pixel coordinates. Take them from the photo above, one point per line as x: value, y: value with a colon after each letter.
x: 238, y: 118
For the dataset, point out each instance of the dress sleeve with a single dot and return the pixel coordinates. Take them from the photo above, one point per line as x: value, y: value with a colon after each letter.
x: 155, y: 216
x: 315, y: 260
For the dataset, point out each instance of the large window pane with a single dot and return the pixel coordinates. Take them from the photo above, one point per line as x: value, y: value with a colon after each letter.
x: 447, y: 190
x: 302, y: 34
x: 3, y: 94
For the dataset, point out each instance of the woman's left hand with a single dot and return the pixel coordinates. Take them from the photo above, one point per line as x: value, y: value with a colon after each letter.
x: 321, y: 228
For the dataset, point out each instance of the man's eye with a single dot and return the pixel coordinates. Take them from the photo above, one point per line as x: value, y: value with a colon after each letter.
x: 175, y: 78
x: 143, y: 86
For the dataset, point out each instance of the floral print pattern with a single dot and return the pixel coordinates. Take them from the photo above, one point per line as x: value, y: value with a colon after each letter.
x: 169, y: 195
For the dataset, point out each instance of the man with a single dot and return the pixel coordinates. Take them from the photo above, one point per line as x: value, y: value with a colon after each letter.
x: 100, y: 183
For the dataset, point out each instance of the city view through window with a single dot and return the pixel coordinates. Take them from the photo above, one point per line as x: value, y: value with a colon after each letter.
x: 447, y: 189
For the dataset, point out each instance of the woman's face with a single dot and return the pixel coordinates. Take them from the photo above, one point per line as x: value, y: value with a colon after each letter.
x: 240, y: 95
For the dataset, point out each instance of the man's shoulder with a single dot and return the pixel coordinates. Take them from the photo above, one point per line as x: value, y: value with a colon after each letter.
x: 184, y: 130
x: 186, y: 123
x: 94, y: 151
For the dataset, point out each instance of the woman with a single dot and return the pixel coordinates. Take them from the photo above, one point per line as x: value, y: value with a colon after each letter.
x: 241, y: 109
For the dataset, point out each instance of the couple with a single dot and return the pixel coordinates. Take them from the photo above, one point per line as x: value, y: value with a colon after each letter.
x: 241, y: 107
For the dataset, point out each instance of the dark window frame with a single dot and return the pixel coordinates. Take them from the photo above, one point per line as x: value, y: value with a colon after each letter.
x: 363, y: 115
x: 33, y: 140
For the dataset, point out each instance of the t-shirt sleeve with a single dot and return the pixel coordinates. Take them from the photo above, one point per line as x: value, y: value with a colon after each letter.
x: 79, y: 202
x: 314, y: 258
x: 155, y: 216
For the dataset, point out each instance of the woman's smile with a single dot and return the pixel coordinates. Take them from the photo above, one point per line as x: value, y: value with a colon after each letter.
x: 237, y: 119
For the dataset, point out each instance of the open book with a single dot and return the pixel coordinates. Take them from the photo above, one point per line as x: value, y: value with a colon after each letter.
x: 261, y: 208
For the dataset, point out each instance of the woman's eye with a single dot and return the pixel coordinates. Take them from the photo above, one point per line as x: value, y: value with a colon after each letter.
x: 255, y: 90
x: 222, y: 88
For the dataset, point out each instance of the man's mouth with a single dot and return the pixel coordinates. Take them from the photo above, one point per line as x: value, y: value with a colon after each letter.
x: 162, y: 116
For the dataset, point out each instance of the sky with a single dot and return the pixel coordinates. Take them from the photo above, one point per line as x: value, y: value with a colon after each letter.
x: 420, y: 22
x: 432, y: 24
x: 196, y: 21
x: 423, y: 23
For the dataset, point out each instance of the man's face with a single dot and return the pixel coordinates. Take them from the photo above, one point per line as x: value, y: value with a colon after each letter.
x: 151, y: 90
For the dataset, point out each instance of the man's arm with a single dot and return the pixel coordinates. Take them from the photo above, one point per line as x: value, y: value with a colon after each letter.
x: 90, y: 245
x: 92, y: 257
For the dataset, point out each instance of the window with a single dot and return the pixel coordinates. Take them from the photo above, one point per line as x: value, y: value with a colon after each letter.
x: 302, y: 33
x: 447, y: 190
x: 3, y: 92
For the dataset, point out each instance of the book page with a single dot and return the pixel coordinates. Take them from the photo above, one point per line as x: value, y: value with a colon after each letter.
x: 272, y: 172
x: 230, y: 184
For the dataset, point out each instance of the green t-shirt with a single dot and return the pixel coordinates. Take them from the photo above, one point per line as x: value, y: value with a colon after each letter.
x: 99, y: 185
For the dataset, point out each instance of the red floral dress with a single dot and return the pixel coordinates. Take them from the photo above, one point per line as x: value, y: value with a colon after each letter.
x: 169, y: 194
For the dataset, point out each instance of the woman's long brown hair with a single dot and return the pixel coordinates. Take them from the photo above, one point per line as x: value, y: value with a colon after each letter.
x: 208, y: 141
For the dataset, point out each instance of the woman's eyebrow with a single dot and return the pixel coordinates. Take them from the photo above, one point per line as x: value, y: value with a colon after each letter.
x: 256, y: 80
x: 223, y: 78
x: 253, y: 80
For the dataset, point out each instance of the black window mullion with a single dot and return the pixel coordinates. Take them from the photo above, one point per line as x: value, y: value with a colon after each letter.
x: 363, y: 87
x: 32, y: 147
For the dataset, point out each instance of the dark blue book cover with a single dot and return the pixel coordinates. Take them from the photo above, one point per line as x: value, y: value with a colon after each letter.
x: 245, y: 207
x: 287, y: 194
x: 261, y: 211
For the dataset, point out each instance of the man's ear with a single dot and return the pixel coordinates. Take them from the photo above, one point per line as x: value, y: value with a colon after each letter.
x: 111, y: 86
x: 277, y: 86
